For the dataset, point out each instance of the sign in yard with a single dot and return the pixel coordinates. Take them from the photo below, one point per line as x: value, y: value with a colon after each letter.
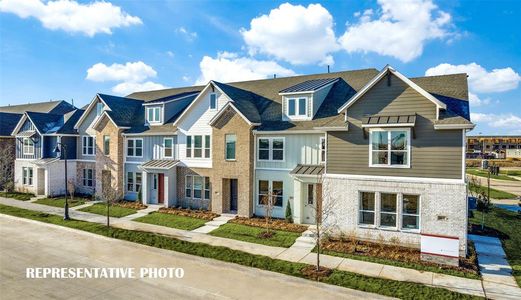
x: 439, y: 245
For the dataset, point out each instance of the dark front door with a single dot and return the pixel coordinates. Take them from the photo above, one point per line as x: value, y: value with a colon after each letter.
x: 161, y: 188
x: 233, y: 194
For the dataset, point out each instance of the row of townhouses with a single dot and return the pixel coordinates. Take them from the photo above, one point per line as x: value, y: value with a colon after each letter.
x: 387, y: 152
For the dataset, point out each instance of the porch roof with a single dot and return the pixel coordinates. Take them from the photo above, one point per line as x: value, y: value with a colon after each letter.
x: 313, y: 170
x: 29, y: 133
x: 163, y: 164
x: 386, y: 121
x: 45, y: 161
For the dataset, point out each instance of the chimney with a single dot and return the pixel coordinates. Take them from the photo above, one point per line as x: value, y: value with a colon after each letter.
x: 328, y: 68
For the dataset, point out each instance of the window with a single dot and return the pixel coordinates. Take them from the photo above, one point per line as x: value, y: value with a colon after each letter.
x: 168, y: 148
x: 88, y: 177
x: 153, y: 114
x: 138, y: 181
x: 27, y: 176
x: 277, y: 192
x: 196, y: 185
x: 134, y: 180
x: 28, y: 146
x: 411, y: 212
x: 135, y: 147
x: 297, y: 107
x: 130, y: 181
x: 322, y: 149
x: 311, y: 194
x: 87, y: 146
x: 388, y: 206
x: 99, y: 109
x: 230, y: 140
x: 106, y: 144
x: 367, y: 208
x: 389, y: 148
x: 271, y: 149
x: 213, y: 101
x: 195, y: 146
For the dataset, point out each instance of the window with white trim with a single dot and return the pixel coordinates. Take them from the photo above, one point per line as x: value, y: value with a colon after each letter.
x: 28, y: 146
x: 153, y: 114
x: 135, y: 147
x: 267, y: 187
x: 88, y: 177
x: 213, y: 101
x: 367, y: 208
x: 27, y: 176
x: 322, y: 149
x: 106, y: 144
x: 388, y: 209
x: 389, y: 148
x: 88, y: 145
x: 134, y: 181
x: 271, y: 149
x: 168, y: 148
x: 410, y: 212
x: 99, y: 108
x: 198, y: 146
x: 297, y: 107
x: 197, y: 187
x: 230, y: 143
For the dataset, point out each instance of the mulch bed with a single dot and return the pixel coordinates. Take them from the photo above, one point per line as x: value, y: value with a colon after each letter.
x: 131, y: 204
x: 311, y: 272
x: 395, y: 252
x: 275, y: 224
x: 199, y: 214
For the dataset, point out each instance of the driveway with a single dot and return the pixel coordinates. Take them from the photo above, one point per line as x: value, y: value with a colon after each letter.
x: 25, y: 243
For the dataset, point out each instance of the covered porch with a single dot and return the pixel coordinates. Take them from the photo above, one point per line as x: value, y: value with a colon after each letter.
x: 159, y: 182
x: 307, y: 192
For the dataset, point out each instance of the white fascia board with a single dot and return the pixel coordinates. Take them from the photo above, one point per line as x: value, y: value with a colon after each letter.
x: 426, y: 180
x: 308, y: 92
x: 453, y: 126
x: 324, y: 129
x: 387, y: 125
x: 34, y: 125
x: 193, y: 103
x: 378, y: 77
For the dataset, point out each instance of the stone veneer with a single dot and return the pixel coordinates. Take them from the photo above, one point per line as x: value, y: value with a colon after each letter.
x: 443, y: 208
x: 241, y: 168
x: 112, y: 162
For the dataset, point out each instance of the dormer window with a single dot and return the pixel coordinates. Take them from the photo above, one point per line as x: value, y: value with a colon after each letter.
x: 99, y: 108
x: 297, y: 107
x: 153, y: 115
x: 213, y: 101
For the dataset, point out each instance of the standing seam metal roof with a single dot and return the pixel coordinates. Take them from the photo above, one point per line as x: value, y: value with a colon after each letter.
x: 309, y: 85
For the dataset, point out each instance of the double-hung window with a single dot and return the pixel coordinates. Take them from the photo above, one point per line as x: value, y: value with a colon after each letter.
x: 388, y: 209
x: 273, y: 188
x: 230, y: 140
x: 198, y: 146
x: 27, y: 176
x: 134, y: 181
x: 168, y: 148
x: 106, y: 144
x: 88, y: 145
x: 410, y: 212
x: 28, y: 146
x: 271, y: 149
x: 367, y: 208
x: 390, y: 214
x: 297, y: 107
x: 389, y: 148
x: 88, y: 179
x: 197, y: 187
x: 213, y: 101
x: 135, y: 147
x: 153, y: 114
x: 322, y: 149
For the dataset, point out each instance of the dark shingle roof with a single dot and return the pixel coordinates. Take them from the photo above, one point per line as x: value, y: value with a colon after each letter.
x: 154, y: 95
x: 309, y: 85
x: 124, y: 111
x: 69, y: 120
x: 53, y: 107
x: 45, y: 122
x: 246, y: 102
x: 8, y: 122
x: 174, y: 97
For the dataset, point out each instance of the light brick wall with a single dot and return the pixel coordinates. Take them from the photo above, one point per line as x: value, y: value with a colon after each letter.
x: 112, y: 162
x: 443, y: 208
x: 182, y: 200
x: 80, y: 165
x: 18, y: 176
x: 241, y: 169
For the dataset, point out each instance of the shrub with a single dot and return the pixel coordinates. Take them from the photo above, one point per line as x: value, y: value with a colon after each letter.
x: 289, y: 214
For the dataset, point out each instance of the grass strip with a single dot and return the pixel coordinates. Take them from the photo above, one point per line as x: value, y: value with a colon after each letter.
x: 483, y: 173
x: 251, y: 234
x: 171, y: 220
x: 494, y: 194
x: 60, y: 202
x: 115, y: 210
x: 17, y: 195
x: 400, y: 289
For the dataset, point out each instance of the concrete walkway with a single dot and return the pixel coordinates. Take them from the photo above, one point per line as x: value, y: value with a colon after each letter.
x: 498, y: 281
x: 215, y: 223
x: 142, y: 212
x: 458, y: 284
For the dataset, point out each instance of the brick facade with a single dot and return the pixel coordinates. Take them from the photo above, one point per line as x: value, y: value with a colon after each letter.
x: 80, y: 188
x: 182, y: 200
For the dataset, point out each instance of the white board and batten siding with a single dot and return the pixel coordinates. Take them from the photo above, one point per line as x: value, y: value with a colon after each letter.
x: 196, y: 122
x: 153, y: 148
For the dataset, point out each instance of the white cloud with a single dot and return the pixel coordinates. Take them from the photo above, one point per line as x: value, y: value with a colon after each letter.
x: 401, y: 30
x: 293, y: 33
x: 475, y: 100
x: 170, y: 53
x: 503, y: 121
x: 481, y: 80
x: 70, y: 16
x: 131, y: 71
x: 229, y: 67
x: 133, y: 76
x: 188, y: 35
x: 126, y: 88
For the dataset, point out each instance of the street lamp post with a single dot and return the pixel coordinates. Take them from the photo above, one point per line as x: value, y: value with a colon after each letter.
x: 57, y: 151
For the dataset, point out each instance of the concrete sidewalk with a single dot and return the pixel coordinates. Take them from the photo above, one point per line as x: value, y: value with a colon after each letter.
x: 304, y: 255
x: 510, y: 186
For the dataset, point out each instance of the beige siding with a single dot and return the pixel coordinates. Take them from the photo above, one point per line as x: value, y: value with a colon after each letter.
x: 434, y: 153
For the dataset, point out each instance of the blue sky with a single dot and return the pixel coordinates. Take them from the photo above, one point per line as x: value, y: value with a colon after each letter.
x: 74, y: 49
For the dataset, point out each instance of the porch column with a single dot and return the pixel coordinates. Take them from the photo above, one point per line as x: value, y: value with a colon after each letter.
x: 144, y: 187
x: 297, y: 202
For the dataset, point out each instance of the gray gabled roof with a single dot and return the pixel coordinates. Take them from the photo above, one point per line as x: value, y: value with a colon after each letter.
x: 309, y: 85
x: 124, y: 111
x: 53, y: 107
x: 8, y: 122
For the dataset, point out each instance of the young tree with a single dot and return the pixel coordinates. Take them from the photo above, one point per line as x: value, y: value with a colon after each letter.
x: 71, y: 188
x: 268, y: 201
x: 6, y: 168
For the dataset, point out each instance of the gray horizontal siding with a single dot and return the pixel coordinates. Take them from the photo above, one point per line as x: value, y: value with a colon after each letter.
x: 434, y: 153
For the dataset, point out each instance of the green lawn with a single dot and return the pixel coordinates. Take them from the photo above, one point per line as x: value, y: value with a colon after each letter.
x: 397, y: 263
x: 494, y: 194
x: 483, y: 173
x: 115, y: 210
x: 400, y: 289
x: 251, y: 234
x: 60, y: 202
x: 508, y: 225
x: 511, y: 172
x: 171, y: 220
x: 17, y: 195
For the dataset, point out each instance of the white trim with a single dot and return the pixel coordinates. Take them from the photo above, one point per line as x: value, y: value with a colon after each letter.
x: 388, y: 69
x: 171, y: 148
x: 297, y: 116
x: 150, y: 134
x: 389, y: 165
x: 89, y: 108
x: 320, y: 150
x: 153, y: 109
x: 273, y: 169
x: 463, y: 153
x: 220, y: 112
x: 453, y: 126
x: 59, y: 134
x: 134, y: 148
x: 270, y: 149
x: 309, y: 92
x: 133, y: 162
x: 260, y: 132
x: 31, y: 146
x: 426, y: 180
x: 83, y: 160
x: 387, y: 125
x: 93, y: 145
x: 324, y: 129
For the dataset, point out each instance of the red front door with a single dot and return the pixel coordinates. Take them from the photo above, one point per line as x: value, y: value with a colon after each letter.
x: 161, y: 188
